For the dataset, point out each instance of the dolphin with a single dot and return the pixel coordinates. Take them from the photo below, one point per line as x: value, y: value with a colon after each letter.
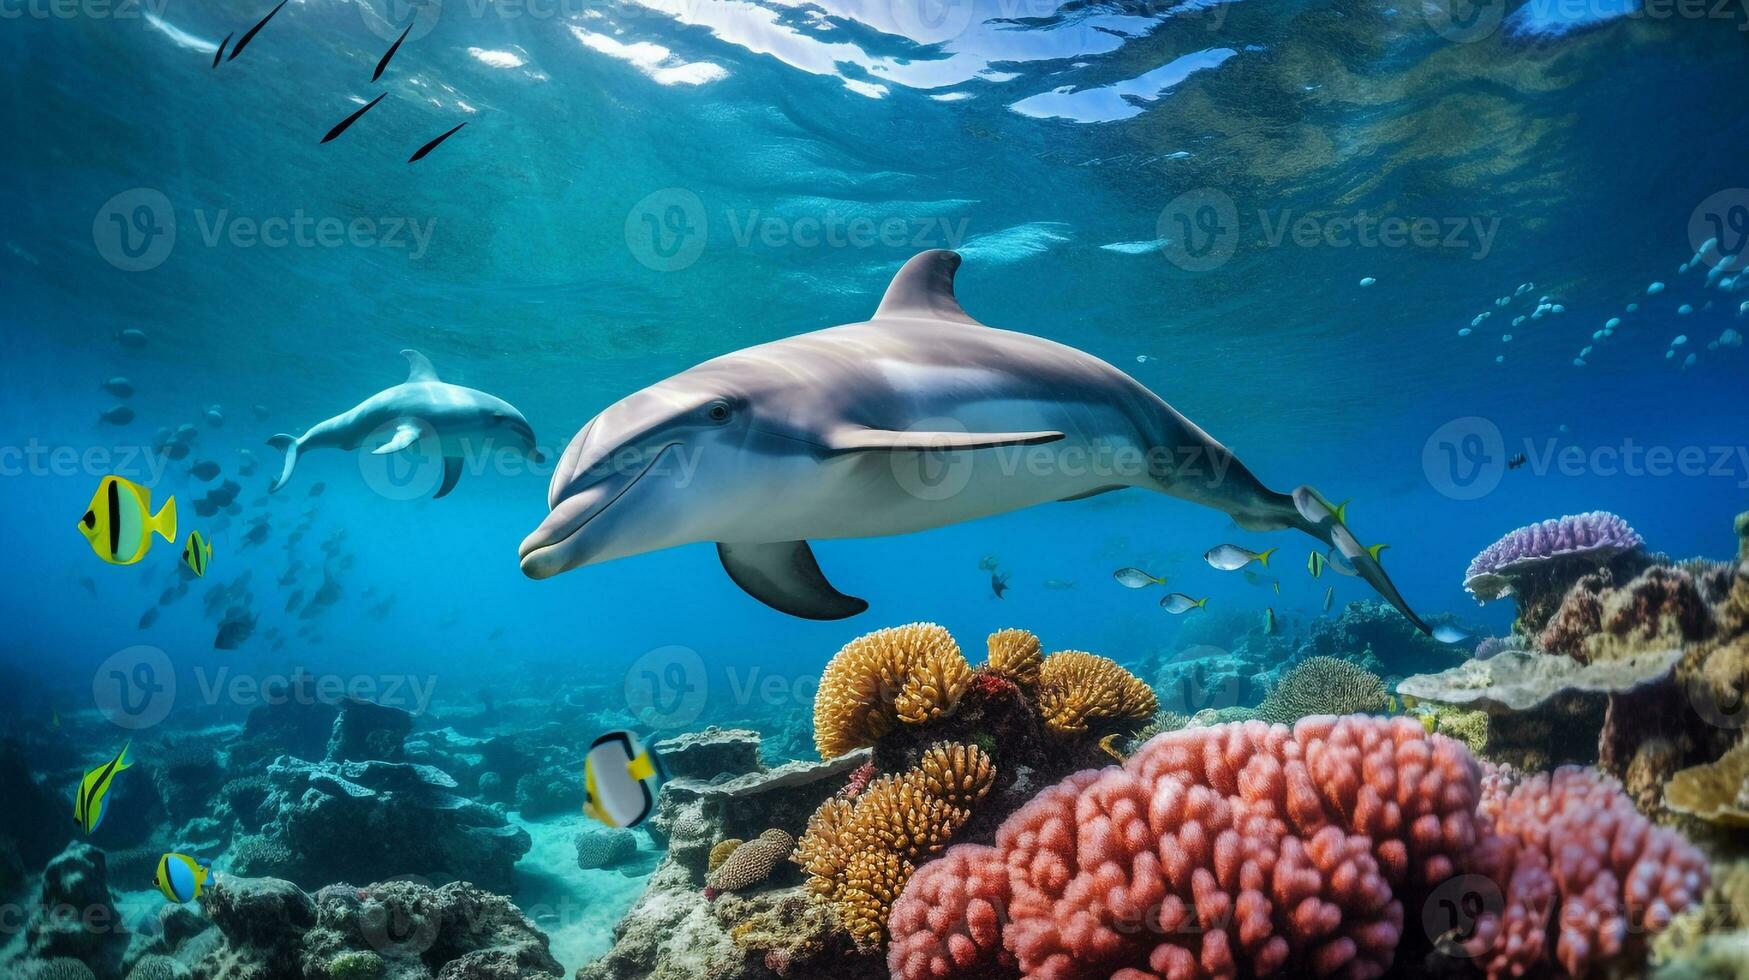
x: 914, y: 419
x: 407, y: 416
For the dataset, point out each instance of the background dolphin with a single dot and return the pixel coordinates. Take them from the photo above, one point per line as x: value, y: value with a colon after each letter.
x: 422, y: 414
x: 917, y: 418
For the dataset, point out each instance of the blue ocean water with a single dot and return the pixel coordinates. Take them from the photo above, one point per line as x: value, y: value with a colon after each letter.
x: 1195, y: 192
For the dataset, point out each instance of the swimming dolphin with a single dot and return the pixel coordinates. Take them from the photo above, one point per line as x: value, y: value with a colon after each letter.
x: 917, y: 418
x: 462, y: 420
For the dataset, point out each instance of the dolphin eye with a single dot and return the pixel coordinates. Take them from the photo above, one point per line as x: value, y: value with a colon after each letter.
x: 718, y: 412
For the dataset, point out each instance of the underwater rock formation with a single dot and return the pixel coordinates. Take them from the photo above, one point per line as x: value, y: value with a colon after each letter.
x: 1536, y: 564
x: 367, y: 730
x: 1184, y: 862
x: 270, y: 929
x: 1662, y: 608
x: 335, y: 821
x: 604, y: 847
x: 73, y: 917
x: 710, y: 753
x: 1376, y: 636
x: 292, y: 719
x: 33, y: 822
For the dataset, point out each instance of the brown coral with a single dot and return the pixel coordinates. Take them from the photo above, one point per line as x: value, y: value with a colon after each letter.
x: 1016, y: 655
x: 1663, y: 608
x: 902, y: 675
x: 751, y: 863
x: 860, y: 854
x: 1075, y: 689
x: 1717, y: 792
x: 720, y: 853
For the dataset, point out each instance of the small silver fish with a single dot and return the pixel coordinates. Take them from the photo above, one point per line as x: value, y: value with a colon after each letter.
x: 1231, y: 557
x: 1135, y: 578
x: 1329, y: 597
x: 1178, y: 603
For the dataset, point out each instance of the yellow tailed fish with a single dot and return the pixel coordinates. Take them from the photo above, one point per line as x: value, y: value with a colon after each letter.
x: 197, y: 553
x: 1269, y: 622
x: 93, y: 800
x: 120, y: 523
x: 620, y: 779
x: 1315, y: 564
x: 1375, y: 549
x: 1277, y: 584
x: 180, y: 878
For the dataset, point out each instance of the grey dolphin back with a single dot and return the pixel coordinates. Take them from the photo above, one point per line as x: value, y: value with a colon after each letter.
x: 785, y: 576
x: 923, y: 290
x: 418, y: 367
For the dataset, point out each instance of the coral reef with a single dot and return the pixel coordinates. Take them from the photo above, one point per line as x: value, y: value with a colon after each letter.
x: 367, y: 730
x: 1078, y: 690
x: 1536, y: 564
x: 1717, y: 792
x: 859, y: 854
x: 1323, y: 686
x: 1572, y: 841
x: 604, y: 847
x: 901, y: 675
x: 1250, y: 850
x: 749, y: 864
x: 720, y: 853
x: 1178, y: 862
x: 1515, y: 681
x: 709, y: 753
x: 1015, y: 654
x: 1377, y: 637
x: 1662, y: 608
x: 73, y: 917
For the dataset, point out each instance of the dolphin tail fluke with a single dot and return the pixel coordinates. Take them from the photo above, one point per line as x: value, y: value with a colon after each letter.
x: 1307, y: 510
x: 289, y: 445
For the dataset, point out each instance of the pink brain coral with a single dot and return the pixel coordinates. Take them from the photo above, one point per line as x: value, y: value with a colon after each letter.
x: 1249, y: 850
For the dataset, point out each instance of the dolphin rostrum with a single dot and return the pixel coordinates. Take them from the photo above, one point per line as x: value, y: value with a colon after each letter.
x: 422, y: 414
x: 917, y: 418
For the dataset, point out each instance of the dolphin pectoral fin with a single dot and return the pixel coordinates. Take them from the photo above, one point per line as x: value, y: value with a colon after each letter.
x: 418, y: 367
x: 406, y: 434
x: 853, y: 440
x: 452, y: 471
x: 785, y: 576
x: 923, y: 290
x: 1092, y: 493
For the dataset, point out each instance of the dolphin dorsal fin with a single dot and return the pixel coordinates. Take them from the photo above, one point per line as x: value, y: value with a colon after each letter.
x: 418, y: 367
x: 923, y: 290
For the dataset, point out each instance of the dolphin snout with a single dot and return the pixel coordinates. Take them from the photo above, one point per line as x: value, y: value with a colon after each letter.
x: 558, y: 545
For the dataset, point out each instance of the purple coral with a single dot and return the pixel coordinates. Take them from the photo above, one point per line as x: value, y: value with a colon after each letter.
x: 1598, y: 536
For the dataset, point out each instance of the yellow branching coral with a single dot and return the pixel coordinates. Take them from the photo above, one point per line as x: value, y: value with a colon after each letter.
x: 1016, y: 655
x: 859, y: 854
x: 902, y: 675
x: 1076, y: 689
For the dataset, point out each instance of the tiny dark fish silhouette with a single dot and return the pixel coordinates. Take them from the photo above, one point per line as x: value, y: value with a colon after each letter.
x: 384, y: 63
x: 317, y: 488
x: 427, y: 148
x: 349, y: 120
x: 1515, y: 462
x: 220, y: 53
x: 998, y: 584
x: 249, y: 35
